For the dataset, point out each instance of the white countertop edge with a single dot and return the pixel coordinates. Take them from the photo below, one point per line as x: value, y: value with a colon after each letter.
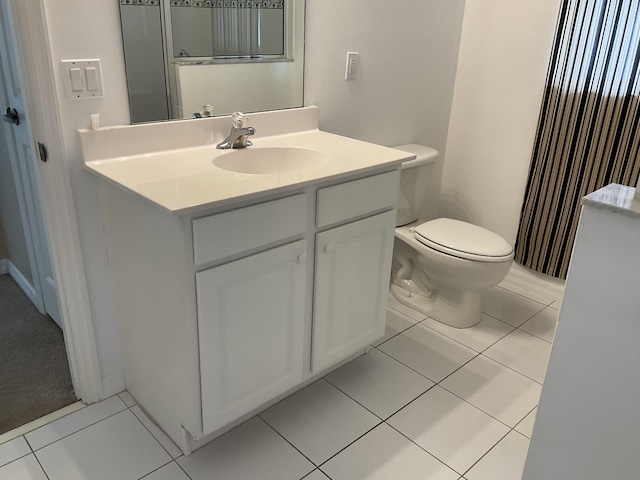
x: 616, y: 198
x: 248, y: 197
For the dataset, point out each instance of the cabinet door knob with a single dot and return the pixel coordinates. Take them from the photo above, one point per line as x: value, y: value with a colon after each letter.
x: 329, y: 248
x: 302, y: 258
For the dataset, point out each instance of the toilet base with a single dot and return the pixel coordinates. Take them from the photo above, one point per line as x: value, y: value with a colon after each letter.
x: 452, y: 306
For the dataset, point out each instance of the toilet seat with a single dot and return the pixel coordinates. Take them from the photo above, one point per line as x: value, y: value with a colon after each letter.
x: 463, y: 240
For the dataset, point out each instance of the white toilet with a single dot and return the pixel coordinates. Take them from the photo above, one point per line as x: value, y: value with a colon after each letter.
x: 440, y: 267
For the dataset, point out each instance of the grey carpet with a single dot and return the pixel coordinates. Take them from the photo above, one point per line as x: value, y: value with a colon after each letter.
x: 34, y: 372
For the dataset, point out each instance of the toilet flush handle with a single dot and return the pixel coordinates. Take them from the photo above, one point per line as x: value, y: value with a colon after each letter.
x: 328, y: 248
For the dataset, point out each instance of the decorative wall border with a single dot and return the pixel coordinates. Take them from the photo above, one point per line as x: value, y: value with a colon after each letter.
x: 141, y: 3
x: 258, y: 4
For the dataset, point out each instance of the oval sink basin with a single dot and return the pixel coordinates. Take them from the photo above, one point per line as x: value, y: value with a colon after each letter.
x: 270, y: 160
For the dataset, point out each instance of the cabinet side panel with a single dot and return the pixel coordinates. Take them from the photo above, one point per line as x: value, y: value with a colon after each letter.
x: 146, y: 255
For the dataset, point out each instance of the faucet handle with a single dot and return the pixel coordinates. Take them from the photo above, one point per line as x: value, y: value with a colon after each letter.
x: 239, y: 119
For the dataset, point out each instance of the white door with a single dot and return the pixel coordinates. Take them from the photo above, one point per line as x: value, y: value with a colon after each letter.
x: 353, y: 266
x: 24, y: 154
x: 250, y: 329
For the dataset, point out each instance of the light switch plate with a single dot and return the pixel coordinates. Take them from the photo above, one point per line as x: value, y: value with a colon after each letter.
x: 351, y: 69
x: 88, y: 84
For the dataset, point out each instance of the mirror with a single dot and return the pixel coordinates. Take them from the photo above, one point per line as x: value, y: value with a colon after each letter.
x: 187, y: 58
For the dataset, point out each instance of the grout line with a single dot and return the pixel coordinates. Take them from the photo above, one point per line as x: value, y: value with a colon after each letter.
x: 351, y: 443
x: 487, y: 452
x: 513, y: 369
x: 350, y: 397
x: 530, y: 412
x: 404, y: 314
x: 155, y: 470
x: 79, y: 430
x: 41, y: 466
x: 422, y: 448
x: 180, y: 467
x: 150, y: 432
x: 467, y: 346
x: 286, y: 440
x: 324, y: 473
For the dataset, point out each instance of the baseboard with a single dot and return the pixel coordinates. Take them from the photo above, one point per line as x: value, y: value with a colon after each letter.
x: 4, y: 266
x: 113, y: 384
x: 23, y: 283
x: 536, y: 286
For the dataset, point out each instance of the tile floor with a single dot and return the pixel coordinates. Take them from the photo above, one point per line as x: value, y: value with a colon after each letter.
x: 428, y: 402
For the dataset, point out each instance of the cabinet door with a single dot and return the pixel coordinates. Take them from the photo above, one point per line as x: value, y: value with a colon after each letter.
x: 353, y: 265
x: 251, y: 325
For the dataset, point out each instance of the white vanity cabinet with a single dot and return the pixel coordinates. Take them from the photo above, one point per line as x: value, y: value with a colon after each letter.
x: 223, y: 312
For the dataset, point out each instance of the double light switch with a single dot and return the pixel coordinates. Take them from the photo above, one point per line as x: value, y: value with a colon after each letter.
x: 82, y: 78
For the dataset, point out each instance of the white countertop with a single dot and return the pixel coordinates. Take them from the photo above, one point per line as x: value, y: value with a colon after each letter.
x: 615, y: 198
x: 185, y: 180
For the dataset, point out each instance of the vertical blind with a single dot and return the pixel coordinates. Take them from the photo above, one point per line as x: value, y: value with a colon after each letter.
x: 588, y: 129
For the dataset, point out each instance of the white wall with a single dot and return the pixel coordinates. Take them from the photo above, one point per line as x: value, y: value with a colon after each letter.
x: 80, y: 29
x: 408, y: 54
x: 504, y: 54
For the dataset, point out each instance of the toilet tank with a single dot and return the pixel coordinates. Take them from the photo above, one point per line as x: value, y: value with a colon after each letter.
x: 414, y: 181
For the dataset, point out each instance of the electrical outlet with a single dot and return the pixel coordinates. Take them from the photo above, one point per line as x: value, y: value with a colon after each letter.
x: 351, y: 70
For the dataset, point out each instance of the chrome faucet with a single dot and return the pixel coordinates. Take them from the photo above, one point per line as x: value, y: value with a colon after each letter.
x: 238, y: 137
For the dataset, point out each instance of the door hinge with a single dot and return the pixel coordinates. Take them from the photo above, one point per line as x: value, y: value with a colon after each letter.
x: 43, y: 152
x: 11, y: 116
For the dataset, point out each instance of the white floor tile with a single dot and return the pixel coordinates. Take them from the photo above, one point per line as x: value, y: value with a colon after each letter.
x: 478, y: 337
x: 127, y: 398
x: 116, y: 448
x: 252, y: 450
x: 449, y: 428
x: 384, y: 454
x: 13, y: 449
x: 396, y: 323
x: 39, y: 422
x: 169, y: 472
x: 74, y: 422
x: 504, y: 462
x: 409, y: 312
x: 525, y: 427
x: 316, y: 475
x: 428, y: 352
x: 509, y: 307
x: 379, y: 383
x: 543, y: 324
x: 523, y: 291
x: 158, y: 434
x: 320, y: 420
x: 26, y: 468
x: 523, y: 352
x: 495, y: 389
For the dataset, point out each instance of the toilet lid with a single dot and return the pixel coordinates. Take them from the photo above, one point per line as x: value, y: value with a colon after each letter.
x: 463, y: 240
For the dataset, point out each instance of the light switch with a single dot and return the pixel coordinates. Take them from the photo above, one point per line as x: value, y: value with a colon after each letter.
x: 82, y: 79
x: 351, y: 70
x: 76, y: 80
x: 92, y: 78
